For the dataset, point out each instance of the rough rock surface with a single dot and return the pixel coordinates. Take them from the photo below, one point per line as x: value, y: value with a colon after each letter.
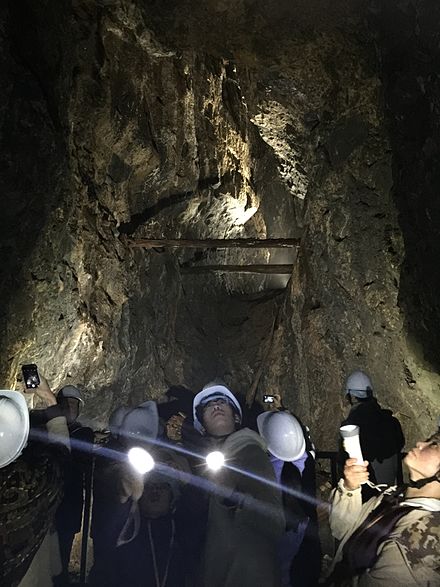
x: 123, y: 119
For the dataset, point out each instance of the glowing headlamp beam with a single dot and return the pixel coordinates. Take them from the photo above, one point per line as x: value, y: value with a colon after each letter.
x: 140, y: 460
x: 215, y: 460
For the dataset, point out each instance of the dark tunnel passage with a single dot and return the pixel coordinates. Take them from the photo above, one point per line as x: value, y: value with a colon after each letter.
x: 160, y: 162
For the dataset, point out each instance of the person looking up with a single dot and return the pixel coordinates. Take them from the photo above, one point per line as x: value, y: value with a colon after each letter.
x: 394, y: 538
x: 245, y: 517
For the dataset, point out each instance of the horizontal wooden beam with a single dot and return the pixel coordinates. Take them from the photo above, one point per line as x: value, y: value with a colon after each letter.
x: 268, y: 269
x: 217, y: 243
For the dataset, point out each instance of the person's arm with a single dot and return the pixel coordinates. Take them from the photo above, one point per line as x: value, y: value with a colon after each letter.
x: 347, y: 498
x: 54, y: 420
x: 44, y: 392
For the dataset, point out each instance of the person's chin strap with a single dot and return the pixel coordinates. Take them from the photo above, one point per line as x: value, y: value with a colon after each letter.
x: 422, y: 482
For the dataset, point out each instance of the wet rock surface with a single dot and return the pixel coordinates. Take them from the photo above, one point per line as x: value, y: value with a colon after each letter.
x: 122, y: 120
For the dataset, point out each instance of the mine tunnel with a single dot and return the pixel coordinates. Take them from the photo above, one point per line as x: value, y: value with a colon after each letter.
x: 243, y: 192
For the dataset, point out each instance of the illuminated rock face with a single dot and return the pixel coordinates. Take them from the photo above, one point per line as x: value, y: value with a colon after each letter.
x: 217, y: 120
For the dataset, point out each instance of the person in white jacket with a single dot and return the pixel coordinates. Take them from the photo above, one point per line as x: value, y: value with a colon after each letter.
x: 394, y: 538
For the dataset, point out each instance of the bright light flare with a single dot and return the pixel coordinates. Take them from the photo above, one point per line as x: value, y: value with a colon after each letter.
x: 140, y: 460
x: 215, y: 460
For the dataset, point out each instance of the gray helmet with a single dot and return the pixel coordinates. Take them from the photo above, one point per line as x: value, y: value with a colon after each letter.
x: 359, y: 385
x: 70, y: 391
x: 141, y: 423
x: 116, y: 419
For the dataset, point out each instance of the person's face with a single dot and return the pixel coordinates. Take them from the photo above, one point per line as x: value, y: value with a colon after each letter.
x: 70, y: 407
x: 174, y: 426
x: 423, y: 461
x: 218, y: 417
x: 156, y: 500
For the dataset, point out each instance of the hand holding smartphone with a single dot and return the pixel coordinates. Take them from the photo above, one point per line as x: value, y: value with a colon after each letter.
x: 33, y: 381
x: 30, y: 376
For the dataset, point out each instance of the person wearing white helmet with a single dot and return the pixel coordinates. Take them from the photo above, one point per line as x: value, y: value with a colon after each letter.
x: 77, y: 476
x: 381, y: 435
x: 116, y: 485
x: 69, y: 401
x: 140, y: 425
x: 30, y: 490
x: 394, y: 538
x: 245, y: 517
x: 14, y: 426
x: 210, y: 397
x: 290, y: 451
x: 359, y: 385
x: 151, y: 545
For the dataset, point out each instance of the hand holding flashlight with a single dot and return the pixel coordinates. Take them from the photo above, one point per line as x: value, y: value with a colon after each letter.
x: 355, y: 470
x: 132, y: 478
x: 354, y: 474
x: 141, y: 460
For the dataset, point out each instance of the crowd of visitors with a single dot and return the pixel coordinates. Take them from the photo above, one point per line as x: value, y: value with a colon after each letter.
x: 183, y: 495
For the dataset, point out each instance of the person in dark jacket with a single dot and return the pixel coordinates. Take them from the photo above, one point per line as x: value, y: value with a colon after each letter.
x: 70, y: 512
x: 149, y: 548
x: 245, y: 514
x: 76, y: 474
x: 117, y: 487
x: 381, y: 435
x: 31, y: 487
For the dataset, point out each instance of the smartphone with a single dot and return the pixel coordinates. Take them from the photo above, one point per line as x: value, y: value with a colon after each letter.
x: 30, y: 376
x: 268, y: 399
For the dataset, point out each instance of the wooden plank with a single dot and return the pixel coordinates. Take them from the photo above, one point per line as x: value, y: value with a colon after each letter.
x: 246, y: 243
x: 268, y: 269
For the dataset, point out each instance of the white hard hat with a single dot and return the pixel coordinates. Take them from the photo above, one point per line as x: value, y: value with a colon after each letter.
x: 116, y: 419
x: 283, y: 435
x: 70, y: 391
x: 141, y: 423
x: 212, y: 393
x: 359, y: 385
x: 14, y: 425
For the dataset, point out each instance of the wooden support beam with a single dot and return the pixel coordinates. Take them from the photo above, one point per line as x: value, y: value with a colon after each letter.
x: 217, y: 243
x: 268, y: 269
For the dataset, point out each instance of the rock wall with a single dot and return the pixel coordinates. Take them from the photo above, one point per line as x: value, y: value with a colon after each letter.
x: 123, y: 119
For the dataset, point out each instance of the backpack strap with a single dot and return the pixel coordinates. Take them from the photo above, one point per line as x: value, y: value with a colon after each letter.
x: 360, y: 552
